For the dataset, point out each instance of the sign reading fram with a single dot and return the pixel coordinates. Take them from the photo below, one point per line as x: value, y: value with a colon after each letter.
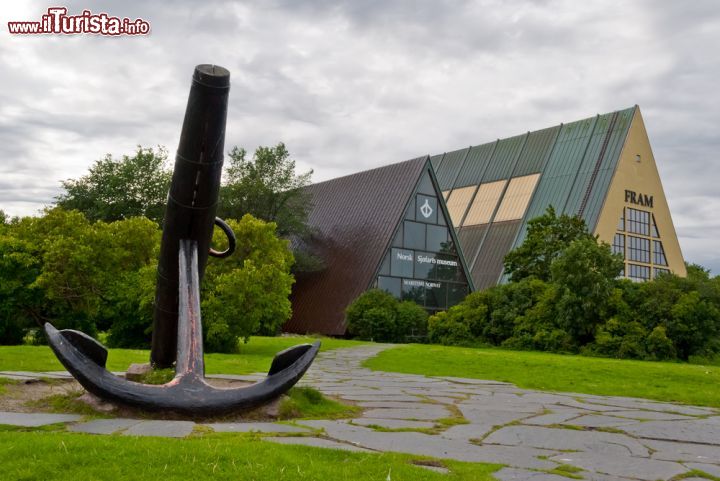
x: 638, y: 198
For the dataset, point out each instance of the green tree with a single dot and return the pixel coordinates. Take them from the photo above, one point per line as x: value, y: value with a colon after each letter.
x: 131, y: 260
x: 547, y: 237
x: 584, y: 274
x: 62, y: 268
x: 21, y: 302
x: 694, y: 326
x: 267, y: 187
x: 114, y: 189
x: 247, y: 293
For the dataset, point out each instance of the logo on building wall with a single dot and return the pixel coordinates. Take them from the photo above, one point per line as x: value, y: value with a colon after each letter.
x: 425, y: 209
x: 638, y: 198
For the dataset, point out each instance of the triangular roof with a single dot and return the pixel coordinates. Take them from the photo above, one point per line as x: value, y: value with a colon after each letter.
x: 354, y: 218
x: 569, y: 166
x: 636, y: 174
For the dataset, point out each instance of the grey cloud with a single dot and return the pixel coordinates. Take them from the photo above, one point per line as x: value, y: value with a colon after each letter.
x: 352, y: 85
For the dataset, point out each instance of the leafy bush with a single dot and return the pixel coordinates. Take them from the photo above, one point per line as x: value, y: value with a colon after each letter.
x: 448, y: 329
x: 377, y: 315
x: 488, y: 317
x: 411, y: 320
x: 659, y: 347
x: 247, y: 293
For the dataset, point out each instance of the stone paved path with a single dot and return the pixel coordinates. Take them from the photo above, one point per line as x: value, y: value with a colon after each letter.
x: 532, y: 432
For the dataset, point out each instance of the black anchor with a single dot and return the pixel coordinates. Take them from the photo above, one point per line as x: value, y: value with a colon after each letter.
x: 177, y: 327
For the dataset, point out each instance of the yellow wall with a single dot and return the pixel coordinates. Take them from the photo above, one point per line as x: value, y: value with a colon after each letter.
x: 641, y: 177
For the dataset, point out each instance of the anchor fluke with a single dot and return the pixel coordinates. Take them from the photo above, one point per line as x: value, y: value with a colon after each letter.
x: 286, y: 358
x: 87, y: 345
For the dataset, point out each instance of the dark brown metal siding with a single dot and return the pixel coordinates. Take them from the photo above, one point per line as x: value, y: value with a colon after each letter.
x: 489, y: 263
x: 354, y: 218
x: 470, y: 239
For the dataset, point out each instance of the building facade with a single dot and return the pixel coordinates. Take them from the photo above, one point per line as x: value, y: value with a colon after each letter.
x: 385, y: 228
x: 601, y: 169
x: 434, y: 228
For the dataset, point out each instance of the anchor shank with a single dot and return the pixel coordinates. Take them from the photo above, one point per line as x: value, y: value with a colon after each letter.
x: 189, y: 341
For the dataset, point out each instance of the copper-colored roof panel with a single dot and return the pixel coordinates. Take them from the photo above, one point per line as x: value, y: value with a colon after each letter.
x: 516, y: 198
x: 483, y: 206
x: 458, y: 202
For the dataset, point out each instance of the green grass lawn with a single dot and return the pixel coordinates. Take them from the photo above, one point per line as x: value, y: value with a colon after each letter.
x: 676, y: 382
x: 255, y: 356
x: 70, y: 457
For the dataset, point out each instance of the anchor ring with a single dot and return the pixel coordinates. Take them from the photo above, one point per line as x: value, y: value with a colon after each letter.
x: 230, y: 237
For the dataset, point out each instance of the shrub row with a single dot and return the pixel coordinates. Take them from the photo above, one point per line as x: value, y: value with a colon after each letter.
x: 666, y: 319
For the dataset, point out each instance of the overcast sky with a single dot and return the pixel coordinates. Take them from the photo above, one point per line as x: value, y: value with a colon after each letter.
x: 351, y: 85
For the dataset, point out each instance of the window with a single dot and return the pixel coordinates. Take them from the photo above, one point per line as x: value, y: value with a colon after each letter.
x: 413, y: 290
x: 401, y: 263
x: 638, y: 221
x: 638, y: 273
x: 437, y: 237
x: 456, y: 293
x: 398, y: 240
x: 410, y: 212
x: 414, y: 235
x: 516, y: 198
x: 621, y: 222
x: 385, y: 266
x: 618, y: 246
x: 389, y: 284
x: 654, y: 228
x: 435, y: 294
x: 659, y: 254
x: 424, y: 263
x: 638, y: 249
x: 426, y: 185
x: 447, y: 268
x: 483, y: 205
x: 658, y: 271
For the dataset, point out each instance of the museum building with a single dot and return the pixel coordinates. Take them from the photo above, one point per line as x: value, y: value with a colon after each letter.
x: 373, y: 231
x: 384, y: 228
